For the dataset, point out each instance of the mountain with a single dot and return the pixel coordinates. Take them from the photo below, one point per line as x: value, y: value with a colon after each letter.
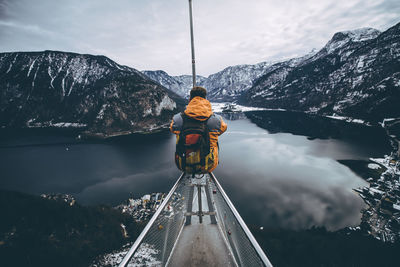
x: 356, y: 74
x: 187, y: 82
x: 225, y: 85
x: 50, y: 88
x: 229, y: 83
x: 178, y: 84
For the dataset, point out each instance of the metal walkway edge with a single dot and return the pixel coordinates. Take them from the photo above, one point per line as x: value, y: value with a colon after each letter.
x: 196, y: 225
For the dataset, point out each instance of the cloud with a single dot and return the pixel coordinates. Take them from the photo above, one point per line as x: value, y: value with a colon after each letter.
x: 155, y: 34
x: 3, y: 9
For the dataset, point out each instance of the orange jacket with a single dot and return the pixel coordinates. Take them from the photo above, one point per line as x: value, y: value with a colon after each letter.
x: 200, y: 109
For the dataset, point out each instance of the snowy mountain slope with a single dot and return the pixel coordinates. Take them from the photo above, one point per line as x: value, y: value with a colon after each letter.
x: 356, y: 74
x: 343, y: 43
x: 187, y: 82
x: 181, y: 85
x: 53, y: 88
x: 226, y: 85
x: 229, y: 83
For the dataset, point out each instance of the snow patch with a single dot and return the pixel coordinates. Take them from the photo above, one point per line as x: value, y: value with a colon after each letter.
x: 219, y: 107
x: 147, y: 112
x: 144, y: 256
x: 30, y: 68
x: 166, y: 103
x: 348, y: 119
x: 32, y: 124
x: 362, y: 34
x: 51, y: 77
x: 374, y: 166
x: 100, y: 115
x: 313, y: 109
x: 13, y: 62
x: 9, y: 68
x: 70, y: 88
x: 386, y: 120
x: 378, y: 160
x: 63, y: 86
x: 34, y: 77
x: 361, y: 64
x: 68, y: 125
x: 357, y: 35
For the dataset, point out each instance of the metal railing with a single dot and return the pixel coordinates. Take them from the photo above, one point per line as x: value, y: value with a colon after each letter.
x: 246, y: 250
x: 155, y: 244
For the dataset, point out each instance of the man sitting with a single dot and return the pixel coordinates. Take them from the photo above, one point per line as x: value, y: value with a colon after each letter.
x: 197, y: 130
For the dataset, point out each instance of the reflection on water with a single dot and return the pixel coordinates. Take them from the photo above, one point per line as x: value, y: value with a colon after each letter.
x: 283, y: 180
x: 102, y: 172
x: 275, y: 180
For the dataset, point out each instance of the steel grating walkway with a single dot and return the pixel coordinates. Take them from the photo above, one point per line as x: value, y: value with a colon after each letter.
x: 196, y: 225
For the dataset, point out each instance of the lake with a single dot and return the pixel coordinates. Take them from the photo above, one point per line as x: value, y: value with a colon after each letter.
x: 275, y: 178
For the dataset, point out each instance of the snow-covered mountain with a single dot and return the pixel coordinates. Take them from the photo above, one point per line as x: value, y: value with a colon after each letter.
x: 187, y: 82
x: 344, y: 42
x: 179, y: 84
x: 356, y: 74
x: 66, y: 89
x: 230, y: 83
x: 226, y: 85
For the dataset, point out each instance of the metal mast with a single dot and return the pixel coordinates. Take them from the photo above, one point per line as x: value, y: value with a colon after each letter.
x: 192, y: 41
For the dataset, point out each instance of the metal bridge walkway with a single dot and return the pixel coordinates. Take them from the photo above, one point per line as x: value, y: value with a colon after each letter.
x: 196, y: 225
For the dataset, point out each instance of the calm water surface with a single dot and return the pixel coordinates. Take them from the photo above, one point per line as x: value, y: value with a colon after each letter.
x: 275, y: 180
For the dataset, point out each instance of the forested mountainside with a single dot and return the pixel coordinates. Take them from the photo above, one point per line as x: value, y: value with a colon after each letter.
x: 50, y: 88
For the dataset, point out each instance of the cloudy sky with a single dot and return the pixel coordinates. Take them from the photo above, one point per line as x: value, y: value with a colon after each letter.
x: 154, y: 34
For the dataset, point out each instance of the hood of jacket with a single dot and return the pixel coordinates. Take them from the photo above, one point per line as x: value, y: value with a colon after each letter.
x: 199, y: 109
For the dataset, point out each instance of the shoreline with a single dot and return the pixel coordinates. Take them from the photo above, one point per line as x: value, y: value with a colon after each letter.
x: 382, y: 196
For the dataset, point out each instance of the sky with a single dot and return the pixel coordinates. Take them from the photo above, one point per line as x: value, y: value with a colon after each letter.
x: 155, y: 35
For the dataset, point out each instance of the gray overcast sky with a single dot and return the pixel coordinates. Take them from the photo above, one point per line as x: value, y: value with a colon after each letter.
x: 154, y: 34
